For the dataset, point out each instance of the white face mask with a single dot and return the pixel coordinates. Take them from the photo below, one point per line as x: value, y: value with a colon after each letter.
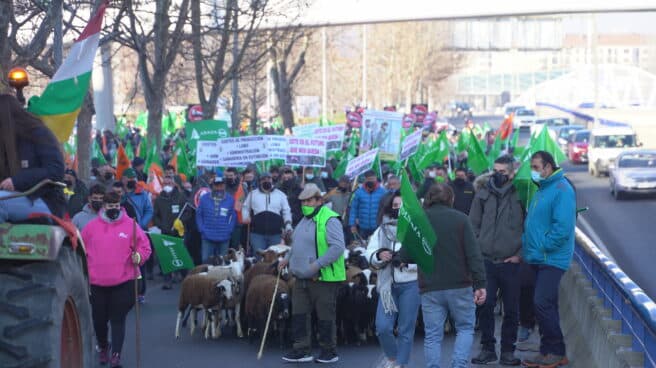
x: 432, y: 174
x: 167, y: 188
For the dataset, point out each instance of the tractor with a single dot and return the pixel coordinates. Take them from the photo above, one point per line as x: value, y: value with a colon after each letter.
x: 45, y: 315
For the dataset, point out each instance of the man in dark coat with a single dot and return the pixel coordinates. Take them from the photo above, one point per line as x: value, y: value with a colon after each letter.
x: 463, y: 190
x: 78, y: 198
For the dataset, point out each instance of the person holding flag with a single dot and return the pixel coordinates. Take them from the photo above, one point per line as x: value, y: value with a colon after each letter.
x: 398, y: 304
x: 457, y: 281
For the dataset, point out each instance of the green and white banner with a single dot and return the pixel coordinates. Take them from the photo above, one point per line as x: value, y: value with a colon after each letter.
x: 171, y: 253
x: 205, y: 130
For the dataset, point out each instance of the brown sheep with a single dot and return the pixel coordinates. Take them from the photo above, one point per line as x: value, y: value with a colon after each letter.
x: 202, y: 292
x: 258, y: 302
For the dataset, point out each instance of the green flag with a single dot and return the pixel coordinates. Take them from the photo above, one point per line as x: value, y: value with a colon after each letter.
x: 171, y: 253
x: 121, y: 127
x: 153, y: 158
x: 476, y: 159
x: 414, y: 230
x: 495, y: 150
x: 341, y: 166
x: 143, y: 148
x: 463, y: 141
x: 129, y: 150
x: 417, y: 174
x: 544, y: 142
x: 184, y: 165
x: 97, y: 153
x: 142, y: 121
x: 435, y: 153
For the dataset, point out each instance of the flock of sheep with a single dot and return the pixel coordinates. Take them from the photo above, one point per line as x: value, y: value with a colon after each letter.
x: 237, y: 284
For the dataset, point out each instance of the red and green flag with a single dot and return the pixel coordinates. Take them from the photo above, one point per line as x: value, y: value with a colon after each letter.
x: 61, y: 101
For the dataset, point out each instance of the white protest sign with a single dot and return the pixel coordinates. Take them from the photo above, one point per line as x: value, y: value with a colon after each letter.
x: 333, y: 135
x: 241, y: 151
x: 276, y: 146
x: 410, y: 145
x: 207, y: 154
x: 382, y: 130
x: 360, y: 164
x: 306, y: 152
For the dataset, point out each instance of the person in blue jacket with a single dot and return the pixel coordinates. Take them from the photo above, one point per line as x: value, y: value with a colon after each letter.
x: 364, y: 206
x: 216, y: 219
x: 138, y: 197
x: 548, y: 247
x: 30, y: 153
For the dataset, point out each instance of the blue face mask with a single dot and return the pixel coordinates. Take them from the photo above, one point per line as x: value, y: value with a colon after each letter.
x: 535, y: 176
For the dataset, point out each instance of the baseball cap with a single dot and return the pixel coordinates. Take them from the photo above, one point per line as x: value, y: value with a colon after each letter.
x: 130, y: 173
x: 218, y: 180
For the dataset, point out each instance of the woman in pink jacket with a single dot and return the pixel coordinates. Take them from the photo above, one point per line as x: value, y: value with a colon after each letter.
x: 113, y: 259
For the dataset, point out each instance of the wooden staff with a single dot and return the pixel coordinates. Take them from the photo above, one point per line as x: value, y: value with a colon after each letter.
x: 136, y: 297
x: 268, y: 321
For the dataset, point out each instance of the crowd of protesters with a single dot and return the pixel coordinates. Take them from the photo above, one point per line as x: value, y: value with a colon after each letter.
x: 487, y: 241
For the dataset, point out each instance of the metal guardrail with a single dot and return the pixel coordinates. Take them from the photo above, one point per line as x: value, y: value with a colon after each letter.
x: 626, y: 300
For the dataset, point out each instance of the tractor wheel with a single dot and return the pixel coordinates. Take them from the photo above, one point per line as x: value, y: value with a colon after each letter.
x: 45, y: 315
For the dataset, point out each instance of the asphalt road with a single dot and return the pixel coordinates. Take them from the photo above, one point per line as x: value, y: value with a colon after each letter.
x: 622, y: 227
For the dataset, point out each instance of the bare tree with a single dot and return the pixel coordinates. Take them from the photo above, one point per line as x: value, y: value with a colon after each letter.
x: 155, y: 30
x: 288, y: 59
x: 253, y: 92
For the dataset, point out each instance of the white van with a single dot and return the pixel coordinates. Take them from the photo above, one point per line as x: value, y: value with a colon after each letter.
x: 606, y: 143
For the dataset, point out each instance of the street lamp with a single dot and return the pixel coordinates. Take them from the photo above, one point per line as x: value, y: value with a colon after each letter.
x: 18, y: 79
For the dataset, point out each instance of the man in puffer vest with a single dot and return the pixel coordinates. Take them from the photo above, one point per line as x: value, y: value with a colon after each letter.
x: 317, y: 261
x: 216, y: 219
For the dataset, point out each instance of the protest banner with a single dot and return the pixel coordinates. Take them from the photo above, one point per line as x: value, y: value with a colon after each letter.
x: 306, y: 152
x: 333, y: 135
x: 207, y: 154
x: 276, y: 146
x: 241, y: 151
x: 205, y: 130
x: 410, y: 145
x: 305, y: 130
x: 360, y: 164
x: 382, y: 130
x: 171, y: 253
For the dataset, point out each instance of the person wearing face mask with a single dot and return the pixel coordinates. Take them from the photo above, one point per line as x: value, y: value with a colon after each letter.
x: 238, y: 191
x: 364, y: 206
x: 249, y: 179
x: 291, y: 187
x: 105, y: 176
x: 327, y: 178
x: 78, y: 192
x: 115, y: 247
x: 169, y: 206
x: 339, y: 199
x: 398, y: 290
x: 393, y: 185
x: 316, y: 260
x: 309, y: 177
x: 430, y: 177
x: 463, y: 190
x: 91, y: 209
x: 138, y: 197
x: 216, y: 219
x: 268, y: 212
x: 497, y: 217
x: 548, y: 247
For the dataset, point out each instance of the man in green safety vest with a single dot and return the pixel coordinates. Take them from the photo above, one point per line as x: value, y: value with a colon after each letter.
x: 317, y: 261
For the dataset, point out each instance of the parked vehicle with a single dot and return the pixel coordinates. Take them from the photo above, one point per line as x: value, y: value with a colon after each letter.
x: 605, y: 144
x: 551, y: 123
x: 634, y: 172
x: 577, y: 146
x: 511, y: 109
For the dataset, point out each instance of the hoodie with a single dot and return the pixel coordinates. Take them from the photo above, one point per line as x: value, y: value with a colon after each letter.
x: 82, y: 218
x: 109, y: 246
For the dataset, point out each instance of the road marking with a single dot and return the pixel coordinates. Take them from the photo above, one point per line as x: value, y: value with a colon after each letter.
x: 595, y: 238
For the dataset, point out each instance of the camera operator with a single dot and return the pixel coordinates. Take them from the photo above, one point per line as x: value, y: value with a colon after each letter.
x: 397, y: 287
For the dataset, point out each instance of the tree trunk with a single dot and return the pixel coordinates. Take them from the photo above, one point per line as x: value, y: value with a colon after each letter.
x: 155, y: 107
x: 83, y: 137
x: 6, y: 12
x: 254, y: 108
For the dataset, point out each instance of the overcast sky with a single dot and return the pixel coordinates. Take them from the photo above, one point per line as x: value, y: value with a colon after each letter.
x: 642, y: 23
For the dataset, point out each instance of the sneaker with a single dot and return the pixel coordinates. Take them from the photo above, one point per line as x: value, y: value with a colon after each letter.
x: 533, y: 361
x: 116, y: 360
x: 509, y: 358
x: 103, y: 355
x: 485, y: 357
x: 141, y: 299
x: 327, y: 356
x: 167, y: 286
x: 297, y: 356
x: 523, y: 334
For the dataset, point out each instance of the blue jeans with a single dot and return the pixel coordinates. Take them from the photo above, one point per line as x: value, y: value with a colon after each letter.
x: 547, y: 280
x: 435, y: 305
x: 406, y: 298
x: 213, y: 248
x: 19, y: 209
x: 504, y: 277
x: 262, y: 242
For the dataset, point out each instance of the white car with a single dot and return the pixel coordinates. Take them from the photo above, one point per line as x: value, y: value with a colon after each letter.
x: 633, y: 172
x: 551, y: 123
x: 604, y: 146
x: 524, y: 118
